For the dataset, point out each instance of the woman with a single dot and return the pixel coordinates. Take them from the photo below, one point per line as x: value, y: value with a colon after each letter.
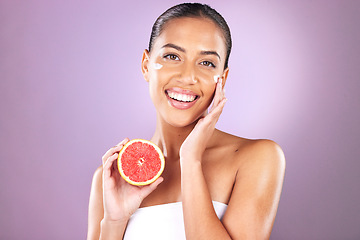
x: 215, y: 185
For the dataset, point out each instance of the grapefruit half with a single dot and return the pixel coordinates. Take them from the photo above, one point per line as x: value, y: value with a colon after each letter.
x: 140, y: 162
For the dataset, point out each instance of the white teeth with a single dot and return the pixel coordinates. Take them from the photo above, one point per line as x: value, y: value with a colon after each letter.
x: 181, y: 97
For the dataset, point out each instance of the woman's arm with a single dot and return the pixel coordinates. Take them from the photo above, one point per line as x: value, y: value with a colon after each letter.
x: 254, y: 200
x: 98, y: 227
x: 200, y: 219
x: 106, y: 219
x: 255, y: 196
x: 112, y: 199
x: 96, y: 210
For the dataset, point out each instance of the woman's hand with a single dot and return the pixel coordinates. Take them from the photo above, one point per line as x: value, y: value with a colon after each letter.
x: 194, y: 145
x: 120, y: 198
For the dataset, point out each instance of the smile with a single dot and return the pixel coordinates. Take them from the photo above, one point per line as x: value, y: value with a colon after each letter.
x: 180, y: 98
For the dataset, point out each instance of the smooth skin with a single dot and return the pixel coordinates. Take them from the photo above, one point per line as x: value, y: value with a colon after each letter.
x: 203, y: 164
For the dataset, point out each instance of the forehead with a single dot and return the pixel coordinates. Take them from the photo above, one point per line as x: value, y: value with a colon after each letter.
x: 192, y: 33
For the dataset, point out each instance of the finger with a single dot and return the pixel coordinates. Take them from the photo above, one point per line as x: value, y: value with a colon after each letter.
x: 114, y: 149
x: 123, y: 142
x: 145, y: 191
x: 222, y: 90
x: 107, y: 166
x: 115, y: 169
x: 110, y: 152
x: 219, y: 95
x: 216, y: 111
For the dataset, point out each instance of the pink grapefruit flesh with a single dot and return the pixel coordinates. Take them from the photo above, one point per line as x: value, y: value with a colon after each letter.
x: 140, y: 162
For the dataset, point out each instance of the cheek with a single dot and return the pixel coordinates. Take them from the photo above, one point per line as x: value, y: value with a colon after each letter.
x: 210, y: 80
x: 208, y: 85
x: 209, y: 93
x: 157, y: 66
x: 212, y: 92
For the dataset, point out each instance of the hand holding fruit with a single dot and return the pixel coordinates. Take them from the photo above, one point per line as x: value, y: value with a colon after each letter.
x: 120, y: 199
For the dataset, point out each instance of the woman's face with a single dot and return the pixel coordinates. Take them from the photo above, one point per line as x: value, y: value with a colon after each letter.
x: 182, y: 69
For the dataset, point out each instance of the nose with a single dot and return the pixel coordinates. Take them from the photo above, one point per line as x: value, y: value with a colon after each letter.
x: 188, y: 74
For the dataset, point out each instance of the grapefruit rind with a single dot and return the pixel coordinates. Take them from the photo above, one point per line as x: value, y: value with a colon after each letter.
x: 126, y: 178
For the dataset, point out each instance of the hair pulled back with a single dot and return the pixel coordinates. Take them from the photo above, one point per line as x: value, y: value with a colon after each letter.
x: 192, y: 10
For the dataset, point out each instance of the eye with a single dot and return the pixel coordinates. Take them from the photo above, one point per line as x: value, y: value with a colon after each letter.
x: 172, y: 57
x: 208, y: 64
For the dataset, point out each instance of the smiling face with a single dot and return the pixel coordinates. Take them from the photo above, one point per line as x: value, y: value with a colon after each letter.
x: 181, y: 67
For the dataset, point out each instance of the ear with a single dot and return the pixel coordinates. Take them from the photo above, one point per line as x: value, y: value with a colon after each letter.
x: 145, y: 64
x: 224, y: 76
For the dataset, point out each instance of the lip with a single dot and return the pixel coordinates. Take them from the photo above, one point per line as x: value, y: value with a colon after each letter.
x: 178, y: 104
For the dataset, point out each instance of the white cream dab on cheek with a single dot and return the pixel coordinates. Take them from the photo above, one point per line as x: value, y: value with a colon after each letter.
x: 216, y: 78
x: 157, y: 66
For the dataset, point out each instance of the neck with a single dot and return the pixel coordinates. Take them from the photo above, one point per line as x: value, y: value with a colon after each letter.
x: 170, y: 138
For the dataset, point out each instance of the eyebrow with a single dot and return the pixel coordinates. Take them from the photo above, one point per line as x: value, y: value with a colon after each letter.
x: 171, y: 45
x: 210, y: 53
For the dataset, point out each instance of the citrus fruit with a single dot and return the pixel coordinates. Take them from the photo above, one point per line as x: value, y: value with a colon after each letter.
x: 140, y: 162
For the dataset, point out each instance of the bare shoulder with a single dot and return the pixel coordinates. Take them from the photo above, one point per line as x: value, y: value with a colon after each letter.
x: 260, y: 168
x: 96, y: 189
x: 96, y: 211
x: 97, y: 177
x: 263, y: 154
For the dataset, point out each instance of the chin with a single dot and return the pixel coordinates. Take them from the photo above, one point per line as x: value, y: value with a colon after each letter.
x: 181, y: 121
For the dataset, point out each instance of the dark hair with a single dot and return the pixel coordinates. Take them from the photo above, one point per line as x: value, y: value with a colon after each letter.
x: 192, y: 10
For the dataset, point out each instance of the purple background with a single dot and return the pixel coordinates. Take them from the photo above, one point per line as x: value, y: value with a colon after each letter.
x: 71, y: 87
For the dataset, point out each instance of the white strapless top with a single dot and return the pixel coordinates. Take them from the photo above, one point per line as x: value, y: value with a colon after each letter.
x: 163, y: 221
